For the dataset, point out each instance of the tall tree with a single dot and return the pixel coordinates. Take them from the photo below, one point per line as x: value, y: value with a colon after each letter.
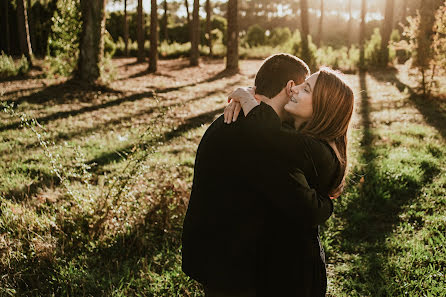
x: 91, y: 46
x: 349, y: 23
x: 386, y: 30
x: 404, y: 12
x: 306, y: 55
x: 232, y: 44
x: 23, y: 31
x: 165, y: 17
x: 362, y: 34
x: 195, y: 40
x: 186, y: 4
x: 153, y: 56
x: 126, y: 30
x: 140, y: 31
x: 5, y: 17
x: 321, y: 22
x: 208, y: 26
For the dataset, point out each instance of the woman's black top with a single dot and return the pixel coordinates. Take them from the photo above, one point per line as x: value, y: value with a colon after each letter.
x: 294, y: 261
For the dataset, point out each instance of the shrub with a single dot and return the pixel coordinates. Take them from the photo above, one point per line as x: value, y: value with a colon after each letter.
x: 63, y: 42
x: 279, y: 36
x: 9, y: 68
x: 109, y: 45
x: 255, y: 36
x: 372, y: 48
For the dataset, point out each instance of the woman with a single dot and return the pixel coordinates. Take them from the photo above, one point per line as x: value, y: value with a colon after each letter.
x: 321, y: 109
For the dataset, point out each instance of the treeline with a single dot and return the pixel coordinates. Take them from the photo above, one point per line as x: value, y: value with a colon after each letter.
x: 335, y: 33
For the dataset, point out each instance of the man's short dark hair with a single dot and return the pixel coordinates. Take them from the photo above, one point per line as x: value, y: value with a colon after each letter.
x: 276, y: 71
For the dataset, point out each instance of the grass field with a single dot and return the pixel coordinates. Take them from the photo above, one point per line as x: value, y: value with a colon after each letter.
x: 92, y: 197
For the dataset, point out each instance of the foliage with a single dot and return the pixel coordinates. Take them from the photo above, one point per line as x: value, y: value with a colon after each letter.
x: 255, y: 36
x: 109, y: 45
x: 10, y: 68
x: 63, y: 42
x: 345, y: 59
x: 279, y: 36
x: 372, y: 48
x: 427, y: 47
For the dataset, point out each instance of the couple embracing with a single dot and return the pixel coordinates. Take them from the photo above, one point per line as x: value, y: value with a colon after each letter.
x: 264, y: 176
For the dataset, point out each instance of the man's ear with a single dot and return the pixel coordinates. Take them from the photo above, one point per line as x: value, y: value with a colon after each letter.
x: 288, y: 87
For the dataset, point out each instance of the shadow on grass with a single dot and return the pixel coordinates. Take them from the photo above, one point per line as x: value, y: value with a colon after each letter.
x: 187, y: 125
x: 433, y: 109
x: 82, y: 266
x: 371, y: 216
x: 69, y: 113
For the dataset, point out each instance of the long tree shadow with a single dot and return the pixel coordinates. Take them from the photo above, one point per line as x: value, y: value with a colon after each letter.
x: 187, y: 125
x: 433, y: 109
x: 65, y: 93
x: 372, y: 216
x: 69, y: 113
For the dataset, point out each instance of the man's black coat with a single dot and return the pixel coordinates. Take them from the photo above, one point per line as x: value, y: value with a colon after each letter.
x: 239, y: 187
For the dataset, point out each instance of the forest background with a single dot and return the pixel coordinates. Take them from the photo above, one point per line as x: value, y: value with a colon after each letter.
x: 104, y: 104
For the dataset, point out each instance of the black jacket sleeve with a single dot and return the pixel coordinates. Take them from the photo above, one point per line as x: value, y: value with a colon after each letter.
x: 288, y: 189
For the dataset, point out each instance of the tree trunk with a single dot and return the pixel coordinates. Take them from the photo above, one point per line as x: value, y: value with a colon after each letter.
x: 232, y: 44
x: 349, y: 24
x: 386, y: 30
x: 186, y: 4
x: 91, y: 46
x: 23, y: 31
x: 305, y: 31
x: 321, y: 21
x: 194, y: 53
x: 140, y: 31
x: 208, y: 26
x: 31, y: 25
x: 126, y: 30
x: 5, y: 16
x: 165, y: 21
x: 153, y: 58
x: 362, y: 34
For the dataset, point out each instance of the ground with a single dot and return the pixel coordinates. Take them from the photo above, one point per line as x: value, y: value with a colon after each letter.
x: 100, y: 182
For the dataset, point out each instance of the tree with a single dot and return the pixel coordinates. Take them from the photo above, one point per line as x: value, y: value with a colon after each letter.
x: 321, y: 19
x: 362, y: 34
x: 232, y: 44
x: 165, y: 21
x: 153, y: 58
x: 5, y: 17
x: 386, y: 30
x: 23, y: 31
x: 349, y: 23
x: 91, y: 47
x: 126, y: 30
x: 208, y: 26
x: 306, y: 55
x: 140, y: 31
x: 194, y: 53
x: 186, y: 4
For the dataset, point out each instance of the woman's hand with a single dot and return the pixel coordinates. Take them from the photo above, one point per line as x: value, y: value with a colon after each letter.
x: 241, y: 98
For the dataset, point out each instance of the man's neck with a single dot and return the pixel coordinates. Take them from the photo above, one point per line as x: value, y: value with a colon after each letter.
x: 275, y: 104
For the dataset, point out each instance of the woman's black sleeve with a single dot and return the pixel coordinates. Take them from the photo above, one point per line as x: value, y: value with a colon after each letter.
x: 286, y: 186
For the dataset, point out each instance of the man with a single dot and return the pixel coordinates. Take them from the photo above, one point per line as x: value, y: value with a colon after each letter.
x: 225, y: 237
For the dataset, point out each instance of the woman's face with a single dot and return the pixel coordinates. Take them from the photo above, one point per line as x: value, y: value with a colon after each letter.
x: 301, y: 103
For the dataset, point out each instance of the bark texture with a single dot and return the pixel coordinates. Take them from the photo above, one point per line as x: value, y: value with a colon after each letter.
x: 386, y: 30
x: 140, y: 31
x: 126, y: 30
x: 306, y: 56
x: 208, y: 26
x: 23, y: 30
x: 153, y: 56
x: 194, y: 53
x: 91, y: 47
x: 232, y: 51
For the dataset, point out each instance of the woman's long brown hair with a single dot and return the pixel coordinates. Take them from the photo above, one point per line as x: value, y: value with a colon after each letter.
x: 333, y: 102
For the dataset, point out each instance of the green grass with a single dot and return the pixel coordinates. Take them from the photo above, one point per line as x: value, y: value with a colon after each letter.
x: 111, y: 224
